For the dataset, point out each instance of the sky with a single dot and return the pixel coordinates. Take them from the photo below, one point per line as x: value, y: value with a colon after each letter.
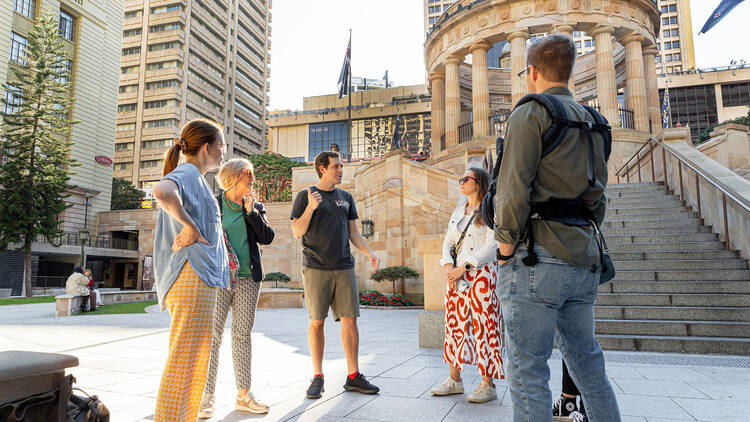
x: 308, y: 40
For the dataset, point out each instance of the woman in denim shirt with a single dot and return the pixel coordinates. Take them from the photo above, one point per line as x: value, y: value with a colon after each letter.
x: 190, y: 262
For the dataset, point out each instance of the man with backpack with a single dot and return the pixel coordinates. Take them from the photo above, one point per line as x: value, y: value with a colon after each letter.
x: 550, y: 196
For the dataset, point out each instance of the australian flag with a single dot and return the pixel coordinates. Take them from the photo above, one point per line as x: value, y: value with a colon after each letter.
x: 344, y: 88
x: 721, y: 10
x: 665, y: 109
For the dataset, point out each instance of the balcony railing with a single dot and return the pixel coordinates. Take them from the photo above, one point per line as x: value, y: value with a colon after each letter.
x: 74, y: 239
x: 48, y: 280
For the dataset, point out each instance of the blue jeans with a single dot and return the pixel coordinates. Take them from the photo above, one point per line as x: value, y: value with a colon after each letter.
x: 552, y: 302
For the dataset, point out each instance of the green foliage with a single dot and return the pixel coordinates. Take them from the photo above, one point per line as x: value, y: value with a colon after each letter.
x: 25, y: 301
x: 394, y: 273
x: 36, y: 143
x: 120, y: 308
x: 276, y: 276
x: 124, y: 195
x: 706, y: 134
x: 273, y: 175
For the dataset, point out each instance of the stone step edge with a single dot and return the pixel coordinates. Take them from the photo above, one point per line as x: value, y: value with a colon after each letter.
x: 625, y: 261
x: 672, y: 321
x: 683, y: 338
x: 697, y: 308
x: 673, y: 294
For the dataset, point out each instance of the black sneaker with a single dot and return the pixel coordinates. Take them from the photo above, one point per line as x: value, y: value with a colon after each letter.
x: 316, y: 388
x: 360, y: 384
x: 563, y: 407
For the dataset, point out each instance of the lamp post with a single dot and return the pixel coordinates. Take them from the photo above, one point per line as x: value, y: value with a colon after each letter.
x: 83, y: 234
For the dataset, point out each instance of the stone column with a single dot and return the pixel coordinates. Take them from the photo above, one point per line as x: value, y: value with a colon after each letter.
x: 452, y: 101
x: 568, y: 30
x: 437, y: 118
x: 517, y: 63
x: 606, y: 82
x: 652, y: 90
x: 480, y: 91
x: 636, y: 81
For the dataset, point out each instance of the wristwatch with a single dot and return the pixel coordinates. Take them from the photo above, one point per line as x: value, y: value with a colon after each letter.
x: 467, y: 266
x: 501, y: 257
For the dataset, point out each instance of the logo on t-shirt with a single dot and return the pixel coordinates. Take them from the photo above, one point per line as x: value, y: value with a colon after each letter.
x: 342, y: 203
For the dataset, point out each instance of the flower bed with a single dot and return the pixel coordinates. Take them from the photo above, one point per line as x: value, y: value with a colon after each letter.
x: 375, y: 298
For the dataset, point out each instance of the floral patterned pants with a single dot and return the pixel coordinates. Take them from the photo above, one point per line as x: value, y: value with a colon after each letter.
x: 472, y: 324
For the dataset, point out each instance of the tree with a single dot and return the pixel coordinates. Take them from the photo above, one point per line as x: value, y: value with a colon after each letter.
x: 36, y: 165
x: 273, y: 173
x: 706, y: 135
x: 392, y: 274
x: 124, y: 195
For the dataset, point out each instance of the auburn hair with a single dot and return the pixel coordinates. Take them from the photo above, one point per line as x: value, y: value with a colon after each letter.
x: 194, y: 135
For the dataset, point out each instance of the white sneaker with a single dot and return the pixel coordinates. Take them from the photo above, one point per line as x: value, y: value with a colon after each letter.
x: 206, y: 410
x: 247, y: 403
x: 483, y: 393
x: 448, y: 387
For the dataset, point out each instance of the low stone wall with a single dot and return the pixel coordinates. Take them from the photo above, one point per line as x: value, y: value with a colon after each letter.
x: 67, y: 305
x: 280, y: 298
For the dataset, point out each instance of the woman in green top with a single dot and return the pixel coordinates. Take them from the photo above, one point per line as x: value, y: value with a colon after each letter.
x: 245, y: 224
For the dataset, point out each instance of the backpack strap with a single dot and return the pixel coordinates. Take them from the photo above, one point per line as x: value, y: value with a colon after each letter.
x: 603, y: 128
x: 555, y: 134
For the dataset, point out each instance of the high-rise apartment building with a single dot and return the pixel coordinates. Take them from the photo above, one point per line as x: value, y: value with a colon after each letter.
x: 675, y: 42
x: 183, y: 60
x: 91, y: 33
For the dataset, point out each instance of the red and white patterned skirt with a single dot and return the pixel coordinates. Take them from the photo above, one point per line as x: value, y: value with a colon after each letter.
x: 473, y: 324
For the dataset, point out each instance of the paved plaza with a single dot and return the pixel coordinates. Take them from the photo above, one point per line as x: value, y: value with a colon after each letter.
x: 121, y: 358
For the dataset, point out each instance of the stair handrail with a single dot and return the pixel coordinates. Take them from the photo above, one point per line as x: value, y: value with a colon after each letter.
x: 682, y: 161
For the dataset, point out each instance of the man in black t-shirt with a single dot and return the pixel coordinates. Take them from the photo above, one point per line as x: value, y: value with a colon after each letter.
x: 326, y: 219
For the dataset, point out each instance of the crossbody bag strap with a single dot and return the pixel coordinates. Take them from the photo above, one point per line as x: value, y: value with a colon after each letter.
x: 461, y: 239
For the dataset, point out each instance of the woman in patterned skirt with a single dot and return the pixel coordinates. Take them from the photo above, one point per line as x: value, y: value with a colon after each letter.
x: 190, y: 263
x: 472, y: 311
x: 245, y: 224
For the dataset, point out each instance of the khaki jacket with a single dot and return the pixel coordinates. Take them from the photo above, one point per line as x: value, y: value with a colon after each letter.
x: 76, y: 285
x: 526, y: 178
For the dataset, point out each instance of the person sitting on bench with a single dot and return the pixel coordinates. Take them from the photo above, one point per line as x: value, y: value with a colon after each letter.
x: 76, y: 286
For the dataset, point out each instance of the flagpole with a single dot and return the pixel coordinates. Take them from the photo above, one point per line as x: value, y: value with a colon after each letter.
x: 349, y: 108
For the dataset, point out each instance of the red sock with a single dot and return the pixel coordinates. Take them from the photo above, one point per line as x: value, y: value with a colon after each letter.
x: 318, y: 375
x: 353, y: 375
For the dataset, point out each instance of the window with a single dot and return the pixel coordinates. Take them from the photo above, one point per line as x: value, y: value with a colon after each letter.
x: 24, y: 7
x: 17, y: 49
x: 245, y: 123
x: 693, y: 106
x: 159, y: 143
x: 657, y: 59
x: 163, y: 65
x: 668, y: 45
x: 578, y: 45
x: 247, y: 109
x: 433, y: 20
x: 126, y: 107
x: 672, y: 7
x: 673, y: 20
x: 675, y: 44
x: 162, y: 104
x: 165, y: 27
x: 665, y: 21
x: 735, y: 94
x: 67, y: 65
x: 667, y: 57
x: 162, y: 84
x: 676, y: 57
x: 131, y: 32
x: 130, y: 69
x: 128, y: 88
x: 149, y: 164
x: 165, y: 46
x: 675, y: 32
x: 160, y: 123
x: 589, y: 43
x: 66, y: 26
x: 125, y: 127
x: 165, y: 9
x: 123, y: 166
x: 13, y: 99
x: 133, y: 14
x: 130, y: 51
x: 664, y: 9
x: 128, y: 146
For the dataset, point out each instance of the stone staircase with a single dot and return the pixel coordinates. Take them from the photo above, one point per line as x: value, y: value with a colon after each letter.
x: 677, y: 288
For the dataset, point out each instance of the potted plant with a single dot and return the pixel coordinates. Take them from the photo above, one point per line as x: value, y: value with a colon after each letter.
x: 276, y: 277
x: 394, y: 273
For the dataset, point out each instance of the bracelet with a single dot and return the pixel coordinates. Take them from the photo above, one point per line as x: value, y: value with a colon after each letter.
x: 501, y: 257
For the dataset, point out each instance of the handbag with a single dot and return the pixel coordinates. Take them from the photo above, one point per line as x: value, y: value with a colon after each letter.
x: 86, y: 409
x: 234, y: 262
x: 608, y: 268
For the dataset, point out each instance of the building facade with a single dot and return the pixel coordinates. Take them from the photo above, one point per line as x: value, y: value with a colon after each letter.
x: 183, y: 60
x: 91, y: 32
x: 674, y: 41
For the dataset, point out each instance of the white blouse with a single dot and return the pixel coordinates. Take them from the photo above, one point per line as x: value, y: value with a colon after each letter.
x: 479, y: 245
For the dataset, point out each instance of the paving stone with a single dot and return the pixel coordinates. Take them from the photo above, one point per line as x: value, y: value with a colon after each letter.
x: 661, y: 388
x: 397, y: 409
x: 716, y: 410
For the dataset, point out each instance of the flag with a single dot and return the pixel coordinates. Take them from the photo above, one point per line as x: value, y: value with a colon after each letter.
x: 396, y: 134
x: 665, y: 109
x: 344, y: 88
x: 721, y: 10
x: 386, y: 78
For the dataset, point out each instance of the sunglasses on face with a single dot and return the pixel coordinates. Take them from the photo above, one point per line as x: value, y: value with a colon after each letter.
x: 464, y: 179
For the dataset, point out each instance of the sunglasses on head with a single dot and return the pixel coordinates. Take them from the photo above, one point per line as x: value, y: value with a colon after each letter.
x: 464, y: 179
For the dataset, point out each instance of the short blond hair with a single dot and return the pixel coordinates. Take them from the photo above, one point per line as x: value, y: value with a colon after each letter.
x: 231, y: 171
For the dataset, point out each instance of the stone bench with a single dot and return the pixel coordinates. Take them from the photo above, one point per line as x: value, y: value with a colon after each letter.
x: 280, y: 298
x: 67, y: 305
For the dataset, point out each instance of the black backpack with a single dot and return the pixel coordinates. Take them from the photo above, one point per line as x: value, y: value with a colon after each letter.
x: 551, y: 138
